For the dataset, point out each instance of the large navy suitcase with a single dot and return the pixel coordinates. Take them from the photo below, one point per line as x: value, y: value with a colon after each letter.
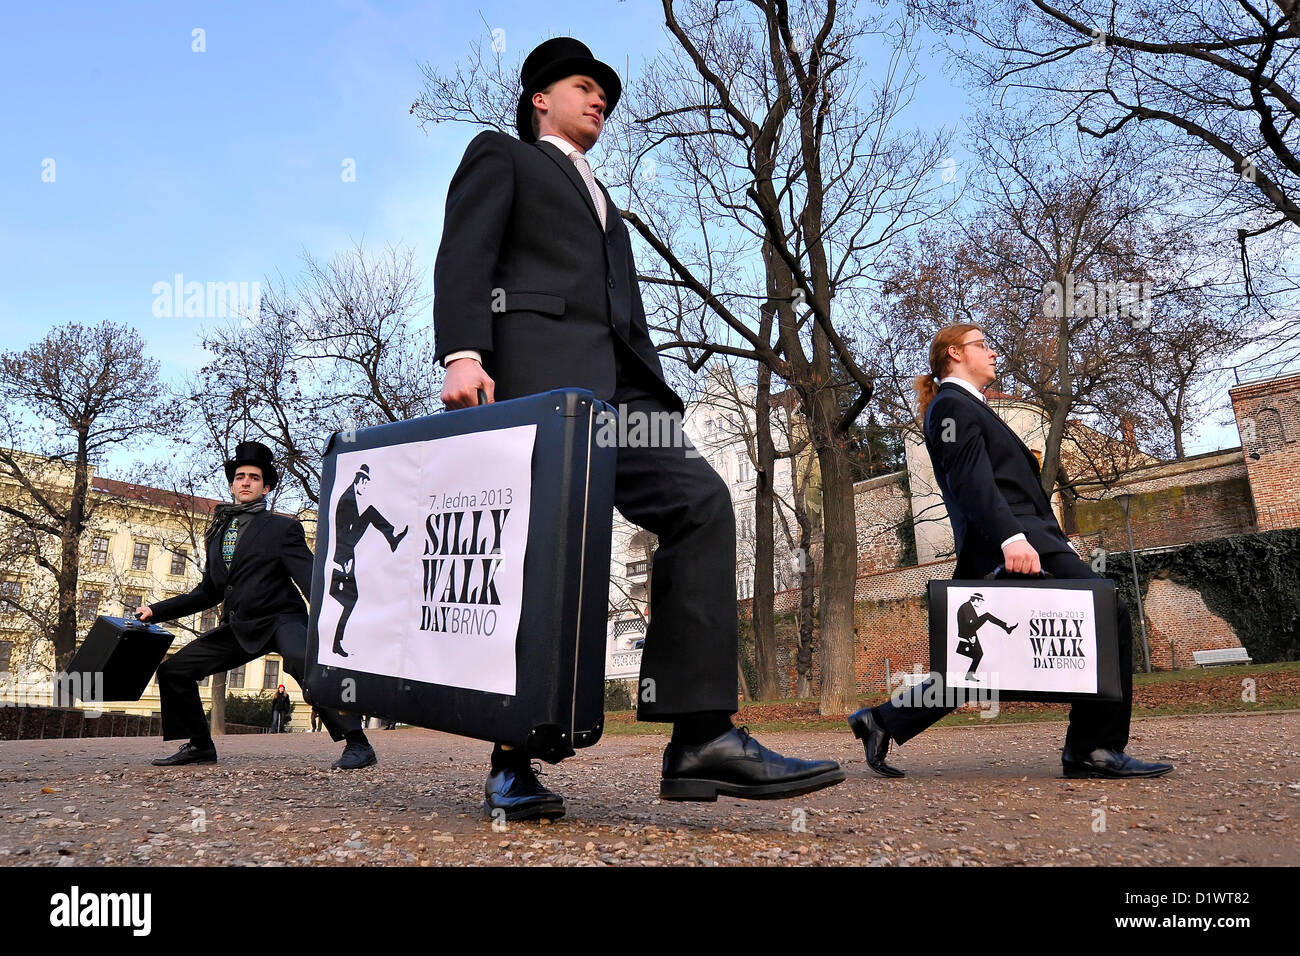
x: 437, y: 600
x: 117, y: 659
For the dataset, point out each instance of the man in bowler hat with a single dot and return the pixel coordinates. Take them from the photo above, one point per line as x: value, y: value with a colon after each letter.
x: 350, y: 523
x: 969, y: 622
x: 254, y: 560
x: 535, y: 289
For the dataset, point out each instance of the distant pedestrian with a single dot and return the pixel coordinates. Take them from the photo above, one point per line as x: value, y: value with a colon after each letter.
x: 280, y: 708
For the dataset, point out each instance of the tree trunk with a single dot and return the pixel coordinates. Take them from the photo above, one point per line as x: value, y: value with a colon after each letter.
x: 218, y: 704
x: 65, y: 633
x: 763, y: 615
x: 839, y: 565
x: 807, y: 595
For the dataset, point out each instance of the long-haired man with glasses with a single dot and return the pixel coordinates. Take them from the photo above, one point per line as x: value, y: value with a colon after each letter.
x: 1000, y: 516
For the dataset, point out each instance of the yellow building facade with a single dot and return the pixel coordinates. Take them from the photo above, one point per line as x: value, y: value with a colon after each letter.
x: 143, y: 545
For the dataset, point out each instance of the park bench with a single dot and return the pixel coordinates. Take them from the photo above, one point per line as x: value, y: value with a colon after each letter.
x: 1227, y: 655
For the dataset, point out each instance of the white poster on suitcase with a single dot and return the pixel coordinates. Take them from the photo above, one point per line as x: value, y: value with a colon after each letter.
x: 426, y: 543
x: 1032, y: 639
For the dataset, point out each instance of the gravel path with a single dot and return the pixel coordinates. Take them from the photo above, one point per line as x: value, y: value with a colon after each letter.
x: 974, y: 796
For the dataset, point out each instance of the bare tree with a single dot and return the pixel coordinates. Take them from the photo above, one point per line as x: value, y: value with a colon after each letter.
x: 73, y: 396
x: 347, y: 347
x: 1209, y: 86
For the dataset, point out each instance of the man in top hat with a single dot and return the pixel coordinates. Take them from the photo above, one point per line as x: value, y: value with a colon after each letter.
x: 254, y: 560
x: 535, y: 289
x: 350, y: 523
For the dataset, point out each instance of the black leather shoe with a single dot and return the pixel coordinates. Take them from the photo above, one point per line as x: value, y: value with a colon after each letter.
x: 355, y: 756
x: 338, y: 649
x: 737, y: 765
x: 516, y: 791
x: 1108, y: 763
x: 188, y: 754
x: 875, y: 740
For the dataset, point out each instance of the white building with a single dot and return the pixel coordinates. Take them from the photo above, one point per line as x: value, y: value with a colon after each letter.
x: 721, y: 427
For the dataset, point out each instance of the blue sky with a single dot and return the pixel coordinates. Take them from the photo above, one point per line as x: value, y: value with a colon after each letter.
x: 224, y: 165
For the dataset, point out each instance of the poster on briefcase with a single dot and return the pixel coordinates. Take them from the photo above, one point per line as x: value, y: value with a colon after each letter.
x: 1032, y: 639
x: 426, y: 545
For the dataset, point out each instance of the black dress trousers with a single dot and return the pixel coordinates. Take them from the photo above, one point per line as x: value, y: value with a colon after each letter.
x: 1093, y: 724
x: 688, y: 664
x: 217, y: 651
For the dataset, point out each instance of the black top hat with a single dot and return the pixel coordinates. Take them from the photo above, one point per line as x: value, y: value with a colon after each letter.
x: 253, y: 453
x: 553, y: 60
x: 362, y: 472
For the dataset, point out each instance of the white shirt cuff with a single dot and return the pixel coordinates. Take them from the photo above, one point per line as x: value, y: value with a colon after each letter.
x: 1014, y: 537
x: 467, y: 353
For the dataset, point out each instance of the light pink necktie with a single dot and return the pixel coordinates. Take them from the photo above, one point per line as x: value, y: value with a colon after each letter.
x: 587, y: 177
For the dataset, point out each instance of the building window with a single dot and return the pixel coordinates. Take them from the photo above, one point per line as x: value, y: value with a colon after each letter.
x: 132, y: 601
x: 6, y: 652
x: 637, y: 568
x: 90, y: 604
x: 12, y: 590
x: 140, y: 556
x: 178, y: 561
x: 744, y: 470
x: 209, y: 619
x: 271, y: 677
x: 205, y: 681
x: 235, y: 678
x: 99, y: 552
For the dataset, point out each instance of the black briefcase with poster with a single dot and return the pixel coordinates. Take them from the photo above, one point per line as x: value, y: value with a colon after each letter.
x: 462, y: 569
x: 1026, y: 638
x: 117, y: 659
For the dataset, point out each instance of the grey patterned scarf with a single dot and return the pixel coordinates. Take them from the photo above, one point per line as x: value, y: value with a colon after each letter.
x: 223, y: 513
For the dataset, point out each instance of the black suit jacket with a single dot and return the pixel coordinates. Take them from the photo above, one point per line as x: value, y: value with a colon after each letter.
x: 989, y: 482
x: 259, y: 588
x: 526, y: 276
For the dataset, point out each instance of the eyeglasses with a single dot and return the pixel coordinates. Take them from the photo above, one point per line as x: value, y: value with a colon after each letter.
x: 981, y: 343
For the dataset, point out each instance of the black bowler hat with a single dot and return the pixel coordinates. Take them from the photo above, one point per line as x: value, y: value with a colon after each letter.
x: 253, y: 453
x: 554, y: 60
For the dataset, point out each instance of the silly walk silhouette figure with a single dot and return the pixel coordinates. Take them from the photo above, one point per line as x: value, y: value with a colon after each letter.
x: 349, y: 525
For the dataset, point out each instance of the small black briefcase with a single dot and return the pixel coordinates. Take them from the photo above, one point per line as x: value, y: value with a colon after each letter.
x: 1047, y: 639
x: 118, y: 658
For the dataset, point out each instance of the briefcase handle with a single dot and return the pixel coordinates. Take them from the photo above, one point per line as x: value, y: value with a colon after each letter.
x: 482, y: 397
x: 1001, y: 571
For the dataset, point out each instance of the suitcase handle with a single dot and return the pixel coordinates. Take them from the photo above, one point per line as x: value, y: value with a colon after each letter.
x: 1001, y: 571
x: 482, y: 397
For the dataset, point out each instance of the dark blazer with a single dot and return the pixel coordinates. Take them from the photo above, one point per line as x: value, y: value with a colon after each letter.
x: 270, y: 559
x: 989, y: 482
x: 526, y: 276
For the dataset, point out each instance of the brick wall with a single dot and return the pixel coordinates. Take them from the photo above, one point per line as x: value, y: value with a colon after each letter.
x: 1178, y: 623
x: 1268, y: 417
x: 880, y: 506
x: 1169, y: 512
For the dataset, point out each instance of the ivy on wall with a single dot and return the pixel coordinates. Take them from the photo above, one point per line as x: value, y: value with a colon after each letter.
x: 1252, y: 581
